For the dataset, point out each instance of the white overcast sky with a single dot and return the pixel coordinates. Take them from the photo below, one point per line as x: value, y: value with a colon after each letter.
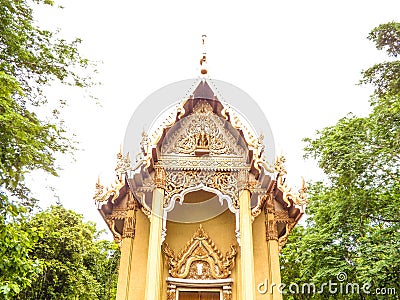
x: 299, y: 60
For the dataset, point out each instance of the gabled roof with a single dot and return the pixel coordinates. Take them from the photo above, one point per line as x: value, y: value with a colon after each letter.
x: 203, y: 91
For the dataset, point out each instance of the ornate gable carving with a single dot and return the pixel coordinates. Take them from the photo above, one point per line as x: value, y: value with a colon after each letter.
x: 226, y: 182
x: 200, y: 259
x: 202, y: 132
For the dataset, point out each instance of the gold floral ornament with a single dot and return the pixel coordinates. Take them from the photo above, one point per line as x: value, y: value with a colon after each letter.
x: 200, y: 259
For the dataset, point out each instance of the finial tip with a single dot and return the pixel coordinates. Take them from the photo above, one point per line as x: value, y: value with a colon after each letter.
x: 203, y: 60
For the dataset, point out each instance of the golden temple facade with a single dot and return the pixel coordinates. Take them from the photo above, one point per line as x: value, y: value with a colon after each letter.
x: 200, y: 213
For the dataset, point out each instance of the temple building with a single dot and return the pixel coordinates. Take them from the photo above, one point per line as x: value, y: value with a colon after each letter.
x: 199, y: 212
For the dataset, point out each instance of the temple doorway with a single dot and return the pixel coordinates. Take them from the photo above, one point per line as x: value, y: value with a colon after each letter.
x: 199, y: 295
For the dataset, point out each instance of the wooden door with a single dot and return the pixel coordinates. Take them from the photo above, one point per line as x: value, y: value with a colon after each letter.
x: 198, y: 295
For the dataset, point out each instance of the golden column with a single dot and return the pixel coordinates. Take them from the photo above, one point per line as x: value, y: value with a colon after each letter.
x: 127, y: 250
x: 247, y: 282
x: 154, y: 261
x: 273, y: 250
x: 125, y: 269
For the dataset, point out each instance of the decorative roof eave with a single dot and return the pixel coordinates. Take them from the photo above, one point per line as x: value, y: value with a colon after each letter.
x: 116, y: 200
x: 109, y: 206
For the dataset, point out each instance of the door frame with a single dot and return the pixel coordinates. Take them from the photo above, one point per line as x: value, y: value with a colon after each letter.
x: 223, y: 286
x: 184, y: 289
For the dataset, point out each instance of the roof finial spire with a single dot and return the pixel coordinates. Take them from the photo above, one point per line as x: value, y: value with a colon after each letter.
x: 203, y: 60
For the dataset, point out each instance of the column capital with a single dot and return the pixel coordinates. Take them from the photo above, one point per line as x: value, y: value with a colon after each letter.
x: 129, y: 227
x: 271, y: 230
x: 160, y: 177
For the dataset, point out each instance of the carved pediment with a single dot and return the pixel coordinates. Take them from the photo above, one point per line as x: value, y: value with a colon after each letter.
x: 203, y: 132
x: 200, y: 259
x: 226, y: 182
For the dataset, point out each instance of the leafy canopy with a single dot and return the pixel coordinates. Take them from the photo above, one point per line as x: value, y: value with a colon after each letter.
x: 76, y: 263
x: 354, y: 220
x: 31, y: 58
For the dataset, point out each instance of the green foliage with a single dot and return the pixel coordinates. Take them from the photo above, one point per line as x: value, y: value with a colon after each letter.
x: 385, y: 76
x: 354, y: 220
x: 31, y: 58
x: 26, y: 142
x: 17, y: 266
x: 76, y: 264
x: 36, y: 57
x: 387, y: 37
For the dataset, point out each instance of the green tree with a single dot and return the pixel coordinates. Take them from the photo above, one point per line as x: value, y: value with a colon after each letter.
x: 31, y: 58
x: 76, y: 263
x: 17, y: 266
x: 354, y: 218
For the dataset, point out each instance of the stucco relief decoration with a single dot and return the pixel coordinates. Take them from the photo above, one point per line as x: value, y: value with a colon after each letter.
x: 205, y: 163
x: 202, y: 131
x: 200, y: 259
x: 226, y: 182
